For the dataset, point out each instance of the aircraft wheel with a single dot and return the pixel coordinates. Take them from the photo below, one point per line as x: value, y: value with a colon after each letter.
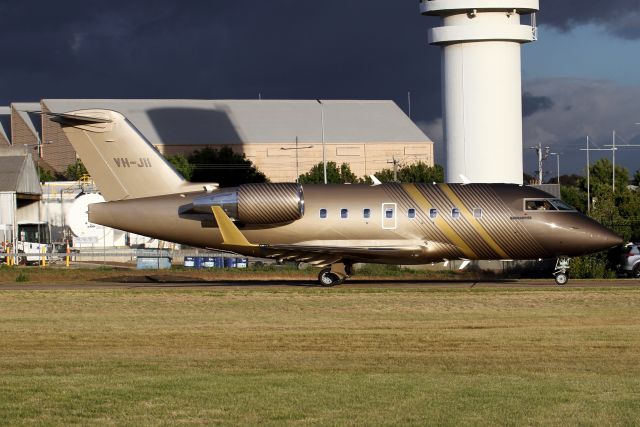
x: 561, y: 279
x: 328, y: 279
x: 636, y: 272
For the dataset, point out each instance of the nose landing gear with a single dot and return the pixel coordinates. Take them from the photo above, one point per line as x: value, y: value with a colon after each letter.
x: 334, y: 275
x: 561, y: 271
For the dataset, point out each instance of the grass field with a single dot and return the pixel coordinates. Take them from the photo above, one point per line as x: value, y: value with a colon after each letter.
x: 317, y: 356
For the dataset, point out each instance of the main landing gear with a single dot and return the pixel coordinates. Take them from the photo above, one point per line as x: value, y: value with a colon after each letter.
x: 335, y: 275
x: 561, y: 271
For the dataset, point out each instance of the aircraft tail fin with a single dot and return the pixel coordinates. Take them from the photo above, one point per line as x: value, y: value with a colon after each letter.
x: 120, y: 160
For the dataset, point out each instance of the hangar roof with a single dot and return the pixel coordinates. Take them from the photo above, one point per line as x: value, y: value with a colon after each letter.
x: 18, y: 172
x: 5, y: 124
x: 195, y: 122
x: 29, y: 112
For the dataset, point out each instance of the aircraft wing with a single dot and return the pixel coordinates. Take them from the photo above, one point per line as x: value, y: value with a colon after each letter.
x: 326, y: 255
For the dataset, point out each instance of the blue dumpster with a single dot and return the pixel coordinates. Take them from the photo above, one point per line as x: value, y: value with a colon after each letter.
x: 219, y: 262
x: 208, y: 262
x: 241, y: 262
x: 198, y: 262
x: 230, y: 263
x: 189, y: 262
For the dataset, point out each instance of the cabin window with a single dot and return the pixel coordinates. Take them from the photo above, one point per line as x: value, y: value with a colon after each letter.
x: 323, y: 213
x: 344, y: 213
x: 433, y: 213
x: 388, y: 213
x: 455, y: 213
x: 477, y: 213
x: 411, y: 213
x: 539, y: 205
x: 366, y: 213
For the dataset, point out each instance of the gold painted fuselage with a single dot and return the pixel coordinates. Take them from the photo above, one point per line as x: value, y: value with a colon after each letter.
x: 389, y: 223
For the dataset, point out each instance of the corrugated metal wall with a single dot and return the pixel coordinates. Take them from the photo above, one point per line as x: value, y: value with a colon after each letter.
x: 6, y: 215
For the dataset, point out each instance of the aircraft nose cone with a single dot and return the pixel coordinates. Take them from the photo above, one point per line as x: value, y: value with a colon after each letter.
x: 609, y: 239
x: 601, y: 238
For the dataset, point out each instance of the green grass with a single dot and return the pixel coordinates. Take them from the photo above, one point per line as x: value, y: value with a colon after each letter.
x: 60, y: 274
x: 22, y: 277
x: 321, y: 356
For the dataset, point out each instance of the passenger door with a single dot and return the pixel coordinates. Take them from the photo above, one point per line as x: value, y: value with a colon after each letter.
x: 389, y: 216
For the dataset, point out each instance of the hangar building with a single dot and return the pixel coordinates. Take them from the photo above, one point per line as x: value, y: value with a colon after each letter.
x: 20, y: 191
x: 283, y: 138
x: 26, y: 123
x: 5, y: 126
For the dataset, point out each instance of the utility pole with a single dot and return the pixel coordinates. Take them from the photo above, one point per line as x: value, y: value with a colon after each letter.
x: 324, y: 155
x: 543, y: 154
x: 395, y: 168
x: 613, y: 150
x: 297, y: 162
x: 409, y: 102
x: 588, y: 179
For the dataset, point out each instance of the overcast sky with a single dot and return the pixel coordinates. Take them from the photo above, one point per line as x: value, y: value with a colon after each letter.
x: 581, y: 77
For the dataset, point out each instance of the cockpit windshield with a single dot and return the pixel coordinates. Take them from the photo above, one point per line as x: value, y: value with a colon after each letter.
x: 547, y: 205
x: 562, y: 206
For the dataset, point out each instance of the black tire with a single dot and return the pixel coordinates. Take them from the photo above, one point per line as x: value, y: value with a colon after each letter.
x: 635, y: 273
x: 562, y: 279
x: 328, y: 279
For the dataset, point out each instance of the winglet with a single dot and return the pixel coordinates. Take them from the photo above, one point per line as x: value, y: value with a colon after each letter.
x: 375, y: 180
x: 465, y: 263
x: 231, y: 235
x: 465, y: 180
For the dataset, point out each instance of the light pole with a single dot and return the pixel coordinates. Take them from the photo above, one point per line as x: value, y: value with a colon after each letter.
x: 324, y: 156
x: 588, y: 179
x: 557, y: 164
x: 296, y: 148
x: 613, y: 157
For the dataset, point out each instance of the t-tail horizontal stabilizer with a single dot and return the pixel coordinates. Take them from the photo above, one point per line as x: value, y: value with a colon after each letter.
x: 74, y: 119
x: 121, y: 161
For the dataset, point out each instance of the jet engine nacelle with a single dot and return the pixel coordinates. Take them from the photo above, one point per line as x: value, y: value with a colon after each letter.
x: 256, y: 203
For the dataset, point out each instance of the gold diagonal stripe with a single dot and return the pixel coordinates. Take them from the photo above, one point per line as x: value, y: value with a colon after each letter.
x: 449, y: 232
x: 474, y: 222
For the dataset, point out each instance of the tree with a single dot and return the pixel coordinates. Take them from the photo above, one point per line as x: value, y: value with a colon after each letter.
x: 619, y: 210
x: 224, y: 167
x: 75, y: 171
x: 182, y: 165
x: 335, y: 174
x: 46, y: 175
x: 601, y: 177
x: 575, y: 197
x: 415, y: 172
x: 571, y: 180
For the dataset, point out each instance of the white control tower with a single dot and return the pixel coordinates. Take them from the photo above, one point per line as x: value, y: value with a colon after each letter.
x: 481, y: 85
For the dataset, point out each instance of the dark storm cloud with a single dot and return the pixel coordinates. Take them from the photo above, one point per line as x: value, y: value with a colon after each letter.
x: 532, y: 104
x: 203, y: 49
x: 583, y: 107
x: 619, y: 17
